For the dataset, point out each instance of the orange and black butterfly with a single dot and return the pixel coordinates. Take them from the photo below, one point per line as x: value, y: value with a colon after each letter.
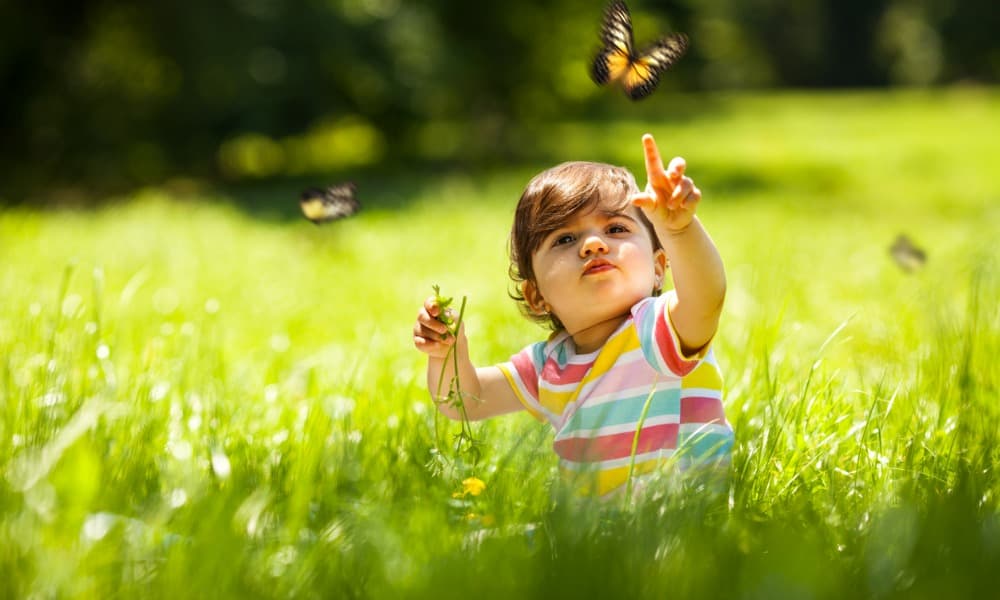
x: 335, y: 202
x: 618, y: 61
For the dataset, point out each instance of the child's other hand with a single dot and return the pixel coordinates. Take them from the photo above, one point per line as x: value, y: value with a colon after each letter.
x: 670, y: 197
x: 431, y: 336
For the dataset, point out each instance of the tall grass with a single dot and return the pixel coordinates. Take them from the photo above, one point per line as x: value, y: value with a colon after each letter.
x: 198, y: 401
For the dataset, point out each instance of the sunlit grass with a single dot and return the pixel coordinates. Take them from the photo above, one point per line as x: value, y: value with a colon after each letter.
x: 195, y: 401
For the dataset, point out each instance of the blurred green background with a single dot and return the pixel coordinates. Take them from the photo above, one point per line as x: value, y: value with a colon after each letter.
x: 105, y: 95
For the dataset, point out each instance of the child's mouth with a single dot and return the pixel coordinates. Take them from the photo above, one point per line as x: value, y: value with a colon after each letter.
x: 597, y: 266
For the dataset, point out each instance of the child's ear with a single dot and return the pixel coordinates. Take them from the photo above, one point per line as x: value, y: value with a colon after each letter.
x: 534, y: 298
x: 660, y: 265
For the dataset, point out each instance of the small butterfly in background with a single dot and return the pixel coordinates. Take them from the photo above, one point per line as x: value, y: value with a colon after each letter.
x: 908, y: 256
x: 618, y: 61
x: 321, y: 205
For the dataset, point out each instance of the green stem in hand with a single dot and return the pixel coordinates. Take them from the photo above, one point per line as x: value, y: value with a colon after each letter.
x: 464, y: 440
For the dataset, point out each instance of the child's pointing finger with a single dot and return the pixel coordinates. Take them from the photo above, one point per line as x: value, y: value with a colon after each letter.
x: 654, y: 164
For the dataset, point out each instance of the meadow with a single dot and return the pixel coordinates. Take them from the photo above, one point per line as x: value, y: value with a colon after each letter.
x: 204, y: 395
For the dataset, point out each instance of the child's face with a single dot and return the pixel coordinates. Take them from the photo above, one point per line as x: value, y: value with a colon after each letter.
x: 595, y: 267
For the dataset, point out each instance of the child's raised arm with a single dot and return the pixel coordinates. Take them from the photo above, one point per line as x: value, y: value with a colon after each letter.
x: 669, y: 202
x: 485, y: 390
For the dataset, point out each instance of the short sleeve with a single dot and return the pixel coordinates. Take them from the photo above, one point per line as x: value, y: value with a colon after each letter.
x: 659, y: 341
x: 523, y: 373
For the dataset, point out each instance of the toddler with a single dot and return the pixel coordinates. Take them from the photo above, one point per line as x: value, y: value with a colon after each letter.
x: 627, y: 378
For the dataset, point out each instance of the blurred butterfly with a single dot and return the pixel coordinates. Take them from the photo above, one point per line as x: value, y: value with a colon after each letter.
x: 618, y: 60
x: 907, y: 255
x: 335, y: 202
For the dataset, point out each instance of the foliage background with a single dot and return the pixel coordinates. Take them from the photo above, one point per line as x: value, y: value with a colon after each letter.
x: 107, y: 94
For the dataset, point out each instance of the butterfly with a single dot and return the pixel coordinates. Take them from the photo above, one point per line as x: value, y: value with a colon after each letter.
x: 335, y: 202
x: 907, y: 255
x: 618, y: 60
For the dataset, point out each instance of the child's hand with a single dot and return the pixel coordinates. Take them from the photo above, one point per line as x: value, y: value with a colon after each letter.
x: 431, y: 336
x: 670, y: 197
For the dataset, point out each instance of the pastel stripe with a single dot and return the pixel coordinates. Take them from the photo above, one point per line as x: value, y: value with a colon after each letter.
x: 610, y: 447
x: 701, y: 409
x: 643, y: 389
x: 538, y: 353
x: 706, y: 375
x: 571, y: 374
x: 689, y: 392
x: 644, y: 317
x: 565, y: 388
x: 510, y: 373
x: 705, y: 441
x: 668, y: 346
x: 591, y: 482
x: 612, y: 429
x: 618, y: 344
x: 630, y: 371
x: 526, y: 374
x: 625, y: 410
x: 592, y: 467
x: 556, y: 402
x: 708, y: 448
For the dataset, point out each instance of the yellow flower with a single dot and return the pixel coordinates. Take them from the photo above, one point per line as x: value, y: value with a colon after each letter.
x: 473, y: 485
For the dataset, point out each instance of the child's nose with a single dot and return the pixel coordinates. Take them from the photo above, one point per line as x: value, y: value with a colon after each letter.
x: 593, y: 244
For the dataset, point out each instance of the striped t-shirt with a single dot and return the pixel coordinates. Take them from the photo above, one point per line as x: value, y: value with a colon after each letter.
x: 595, y: 401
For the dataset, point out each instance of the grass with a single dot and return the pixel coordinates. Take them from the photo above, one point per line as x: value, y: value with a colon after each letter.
x: 199, y: 400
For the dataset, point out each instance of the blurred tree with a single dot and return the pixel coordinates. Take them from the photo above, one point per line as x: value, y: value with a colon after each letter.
x: 102, y: 94
x: 970, y: 35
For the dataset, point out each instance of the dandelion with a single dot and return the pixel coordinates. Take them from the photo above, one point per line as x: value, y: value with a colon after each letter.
x: 473, y: 485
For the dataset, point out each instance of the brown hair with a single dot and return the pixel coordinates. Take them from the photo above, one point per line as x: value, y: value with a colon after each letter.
x: 549, y: 201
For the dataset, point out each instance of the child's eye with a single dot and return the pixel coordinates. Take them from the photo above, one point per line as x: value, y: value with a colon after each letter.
x: 565, y: 238
x: 618, y: 228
